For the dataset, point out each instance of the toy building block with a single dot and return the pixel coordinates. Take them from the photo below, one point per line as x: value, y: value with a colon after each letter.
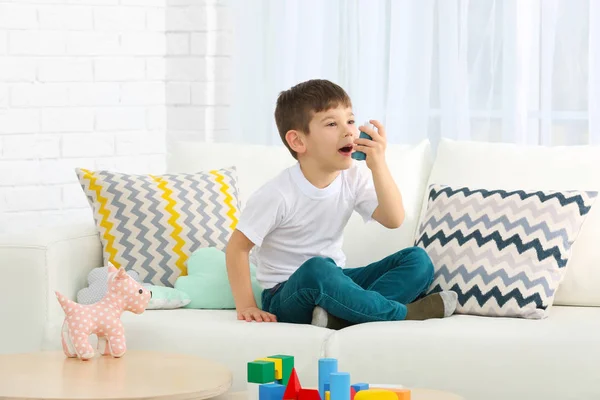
x: 270, y: 391
x: 340, y: 385
x: 326, y: 386
x: 352, y: 393
x: 376, y: 394
x: 309, y: 394
x: 293, y: 387
x: 327, y: 395
x: 287, y: 363
x: 261, y: 372
x: 326, y: 367
x: 402, y: 394
x: 360, y: 386
x: 278, y: 366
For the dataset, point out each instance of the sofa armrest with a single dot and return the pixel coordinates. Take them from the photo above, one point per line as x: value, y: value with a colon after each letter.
x: 32, y: 268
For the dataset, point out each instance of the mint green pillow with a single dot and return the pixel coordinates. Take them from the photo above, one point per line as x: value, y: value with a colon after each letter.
x: 207, y: 283
x: 166, y: 298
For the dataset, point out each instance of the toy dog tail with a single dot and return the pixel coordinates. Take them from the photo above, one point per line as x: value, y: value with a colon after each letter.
x: 65, y: 303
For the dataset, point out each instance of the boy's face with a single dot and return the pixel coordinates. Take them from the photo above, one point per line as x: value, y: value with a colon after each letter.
x: 330, y: 142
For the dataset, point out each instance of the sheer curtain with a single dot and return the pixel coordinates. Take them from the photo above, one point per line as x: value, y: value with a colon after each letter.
x: 493, y: 70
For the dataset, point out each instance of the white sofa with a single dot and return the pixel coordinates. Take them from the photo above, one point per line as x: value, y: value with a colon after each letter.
x: 477, y: 357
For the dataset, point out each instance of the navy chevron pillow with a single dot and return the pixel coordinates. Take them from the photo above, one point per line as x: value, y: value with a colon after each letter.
x: 503, y: 252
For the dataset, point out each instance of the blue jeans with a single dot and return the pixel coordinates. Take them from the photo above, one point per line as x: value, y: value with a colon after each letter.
x: 376, y: 292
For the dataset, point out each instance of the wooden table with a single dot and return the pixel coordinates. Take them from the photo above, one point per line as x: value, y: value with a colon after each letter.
x: 415, y: 394
x: 137, y: 375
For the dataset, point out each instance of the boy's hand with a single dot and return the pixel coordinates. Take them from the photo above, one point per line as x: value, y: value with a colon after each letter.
x: 255, y: 314
x: 374, y: 149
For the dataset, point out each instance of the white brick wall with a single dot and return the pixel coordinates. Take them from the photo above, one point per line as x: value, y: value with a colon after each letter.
x: 82, y: 84
x: 198, y: 68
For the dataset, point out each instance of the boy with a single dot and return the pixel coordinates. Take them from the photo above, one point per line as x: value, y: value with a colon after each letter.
x: 297, y: 220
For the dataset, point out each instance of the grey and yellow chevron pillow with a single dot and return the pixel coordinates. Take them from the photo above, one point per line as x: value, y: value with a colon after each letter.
x: 152, y: 223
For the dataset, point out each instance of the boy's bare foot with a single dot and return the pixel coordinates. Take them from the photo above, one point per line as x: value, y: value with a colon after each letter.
x: 437, y: 305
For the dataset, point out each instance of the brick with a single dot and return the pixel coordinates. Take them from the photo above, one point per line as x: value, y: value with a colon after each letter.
x: 147, y: 43
x: 17, y: 69
x: 135, y: 143
x: 185, y: 118
x: 143, y: 93
x: 3, y: 95
x: 17, y: 16
x: 19, y: 121
x: 98, y: 2
x: 93, y: 44
x: 178, y: 43
x: 155, y: 20
x: 156, y: 3
x: 225, y: 18
x: 218, y: 43
x: 93, y: 94
x: 33, y: 198
x: 38, y: 95
x: 65, y: 70
x: 219, y: 69
x: 211, y: 93
x: 156, y: 118
x: 3, y: 43
x: 88, y: 145
x: 186, y: 69
x: 37, y: 43
x: 68, y: 119
x: 122, y: 118
x: 178, y: 93
x: 63, y: 170
x: 68, y: 17
x: 186, y: 19
x: 20, y: 173
x: 116, y: 19
x: 31, y: 146
x: 142, y: 164
x: 260, y: 372
x: 119, y: 69
x: 73, y: 196
x: 155, y: 69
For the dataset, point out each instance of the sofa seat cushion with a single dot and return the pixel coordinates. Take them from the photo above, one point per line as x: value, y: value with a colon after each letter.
x: 479, y: 357
x: 218, y: 335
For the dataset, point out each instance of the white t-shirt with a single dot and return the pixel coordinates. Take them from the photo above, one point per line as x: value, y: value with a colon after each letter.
x: 290, y: 221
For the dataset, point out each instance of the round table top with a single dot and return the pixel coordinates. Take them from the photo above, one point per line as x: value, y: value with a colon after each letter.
x: 136, y: 375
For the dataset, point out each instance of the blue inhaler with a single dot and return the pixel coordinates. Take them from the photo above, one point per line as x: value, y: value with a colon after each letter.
x: 359, y: 155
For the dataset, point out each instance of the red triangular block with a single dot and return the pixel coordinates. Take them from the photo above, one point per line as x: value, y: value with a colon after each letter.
x: 309, y: 394
x: 352, y: 393
x: 293, y: 387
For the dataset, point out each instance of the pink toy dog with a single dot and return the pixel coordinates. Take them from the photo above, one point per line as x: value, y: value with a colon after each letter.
x: 102, y: 318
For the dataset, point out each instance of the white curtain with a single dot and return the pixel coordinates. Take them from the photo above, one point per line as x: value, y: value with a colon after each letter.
x: 521, y: 71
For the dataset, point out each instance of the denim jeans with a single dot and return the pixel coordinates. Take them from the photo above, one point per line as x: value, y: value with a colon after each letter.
x: 376, y: 292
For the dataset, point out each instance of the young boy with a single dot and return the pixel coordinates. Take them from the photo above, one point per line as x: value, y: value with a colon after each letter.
x: 296, y: 221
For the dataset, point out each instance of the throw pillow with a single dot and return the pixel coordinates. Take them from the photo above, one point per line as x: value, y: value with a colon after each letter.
x: 207, y: 282
x: 166, y: 298
x: 153, y: 223
x: 503, y: 252
x: 98, y: 285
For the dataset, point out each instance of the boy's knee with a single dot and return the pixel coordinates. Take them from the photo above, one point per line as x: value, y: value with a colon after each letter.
x: 422, y: 262
x: 315, y: 270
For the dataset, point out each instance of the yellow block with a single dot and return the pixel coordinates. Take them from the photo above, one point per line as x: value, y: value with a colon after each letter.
x: 327, y: 395
x: 376, y: 394
x: 278, y: 366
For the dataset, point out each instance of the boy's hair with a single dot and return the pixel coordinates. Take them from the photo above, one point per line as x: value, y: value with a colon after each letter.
x: 297, y: 105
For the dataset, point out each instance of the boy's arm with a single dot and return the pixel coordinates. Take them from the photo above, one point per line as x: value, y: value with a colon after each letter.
x: 390, y: 209
x: 237, y: 261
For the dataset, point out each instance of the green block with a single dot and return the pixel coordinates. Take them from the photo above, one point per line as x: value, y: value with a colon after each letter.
x: 287, y: 364
x: 261, y: 372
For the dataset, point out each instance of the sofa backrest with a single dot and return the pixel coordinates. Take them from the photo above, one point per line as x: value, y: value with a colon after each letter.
x: 511, y: 166
x: 256, y: 164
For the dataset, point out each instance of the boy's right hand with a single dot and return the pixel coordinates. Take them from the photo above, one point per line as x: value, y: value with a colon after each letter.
x: 256, y: 314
